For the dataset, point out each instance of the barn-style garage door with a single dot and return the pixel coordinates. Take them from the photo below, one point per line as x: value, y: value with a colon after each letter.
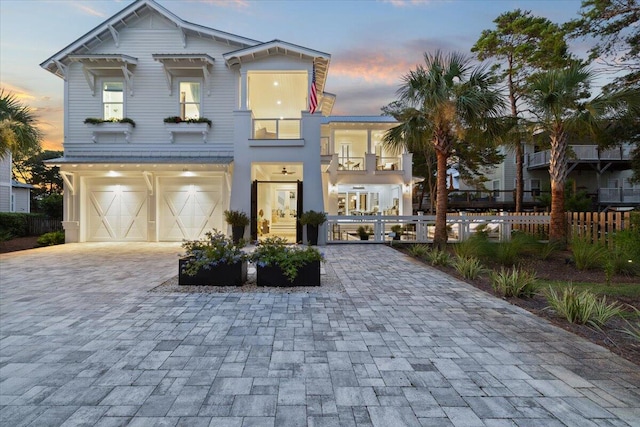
x: 189, y: 207
x: 117, y: 210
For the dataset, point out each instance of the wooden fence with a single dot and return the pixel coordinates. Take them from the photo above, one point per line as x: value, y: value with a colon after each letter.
x: 597, y: 226
x: 38, y: 226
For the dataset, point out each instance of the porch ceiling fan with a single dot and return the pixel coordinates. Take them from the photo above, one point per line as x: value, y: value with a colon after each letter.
x: 285, y: 172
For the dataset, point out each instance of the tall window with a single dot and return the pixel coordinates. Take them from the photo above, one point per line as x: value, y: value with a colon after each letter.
x: 113, y: 100
x: 190, y: 100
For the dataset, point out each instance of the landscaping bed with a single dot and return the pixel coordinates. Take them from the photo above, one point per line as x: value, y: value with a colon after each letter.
x: 559, y: 268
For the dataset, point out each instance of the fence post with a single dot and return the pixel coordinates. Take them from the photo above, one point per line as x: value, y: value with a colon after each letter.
x: 421, y: 228
x: 463, y: 227
x: 505, y: 229
x: 378, y: 230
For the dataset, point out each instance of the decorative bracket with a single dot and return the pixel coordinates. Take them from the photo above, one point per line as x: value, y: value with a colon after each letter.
x: 115, y: 35
x: 148, y: 178
x: 66, y: 178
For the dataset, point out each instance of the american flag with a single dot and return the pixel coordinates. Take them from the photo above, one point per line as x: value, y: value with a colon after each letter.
x: 313, y: 96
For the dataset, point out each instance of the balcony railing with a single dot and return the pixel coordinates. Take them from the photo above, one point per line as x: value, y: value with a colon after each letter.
x: 584, y: 153
x: 351, y: 163
x: 276, y: 128
x: 619, y: 195
x: 388, y: 163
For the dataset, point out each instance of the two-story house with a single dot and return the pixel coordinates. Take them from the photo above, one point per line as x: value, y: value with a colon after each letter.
x: 186, y: 121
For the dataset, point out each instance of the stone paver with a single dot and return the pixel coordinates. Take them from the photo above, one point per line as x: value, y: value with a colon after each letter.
x: 83, y: 341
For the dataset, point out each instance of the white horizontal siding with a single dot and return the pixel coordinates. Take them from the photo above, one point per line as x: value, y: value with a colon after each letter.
x: 151, y: 101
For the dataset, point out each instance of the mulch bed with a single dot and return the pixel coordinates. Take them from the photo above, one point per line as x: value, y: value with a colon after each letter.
x: 557, y: 268
x: 19, y: 244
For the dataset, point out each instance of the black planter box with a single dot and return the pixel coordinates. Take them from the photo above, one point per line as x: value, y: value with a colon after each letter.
x: 220, y: 275
x: 308, y: 275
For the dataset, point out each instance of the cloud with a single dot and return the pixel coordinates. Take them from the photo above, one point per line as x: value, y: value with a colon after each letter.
x: 383, y: 63
x: 88, y: 10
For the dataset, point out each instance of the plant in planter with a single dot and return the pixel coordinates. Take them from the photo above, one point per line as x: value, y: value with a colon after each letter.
x: 313, y: 220
x: 280, y: 264
x: 178, y: 119
x: 397, y: 229
x: 215, y: 260
x: 238, y: 220
x: 97, y: 121
x: 364, y: 231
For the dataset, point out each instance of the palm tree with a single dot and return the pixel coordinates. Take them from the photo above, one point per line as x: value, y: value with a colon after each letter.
x: 18, y: 131
x: 559, y: 101
x: 446, y: 98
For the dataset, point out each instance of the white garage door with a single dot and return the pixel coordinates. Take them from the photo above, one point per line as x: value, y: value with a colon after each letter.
x: 189, y: 207
x: 117, y: 210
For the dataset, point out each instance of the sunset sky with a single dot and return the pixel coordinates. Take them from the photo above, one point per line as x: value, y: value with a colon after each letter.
x: 372, y: 43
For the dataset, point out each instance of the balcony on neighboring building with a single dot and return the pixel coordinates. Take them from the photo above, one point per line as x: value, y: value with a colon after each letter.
x: 619, y: 196
x: 584, y: 155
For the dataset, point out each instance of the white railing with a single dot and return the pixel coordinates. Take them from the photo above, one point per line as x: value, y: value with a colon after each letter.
x: 420, y: 228
x: 350, y: 163
x: 580, y: 153
x: 276, y: 128
x: 388, y: 163
x: 619, y: 195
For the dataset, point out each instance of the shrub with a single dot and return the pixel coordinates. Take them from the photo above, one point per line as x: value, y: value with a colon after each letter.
x: 514, y: 283
x: 51, y: 206
x: 214, y: 250
x: 14, y: 224
x: 469, y: 268
x: 290, y: 258
x: 476, y: 246
x: 419, y: 251
x: 581, y: 307
x: 51, y: 239
x: 545, y: 250
x: 633, y: 328
x: 626, y: 245
x: 588, y: 255
x: 438, y: 257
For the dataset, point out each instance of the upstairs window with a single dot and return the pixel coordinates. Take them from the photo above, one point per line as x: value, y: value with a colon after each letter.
x: 189, y: 100
x: 113, y: 100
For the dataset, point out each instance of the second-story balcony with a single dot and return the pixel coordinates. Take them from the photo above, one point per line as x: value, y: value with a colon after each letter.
x: 581, y: 154
x: 276, y: 128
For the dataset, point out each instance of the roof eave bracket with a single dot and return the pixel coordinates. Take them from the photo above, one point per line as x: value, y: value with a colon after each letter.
x: 115, y: 35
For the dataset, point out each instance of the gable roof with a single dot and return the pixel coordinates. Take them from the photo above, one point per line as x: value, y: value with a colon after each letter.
x: 109, y: 30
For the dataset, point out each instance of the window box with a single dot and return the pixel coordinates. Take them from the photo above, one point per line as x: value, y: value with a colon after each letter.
x: 187, y: 128
x: 219, y: 275
x: 108, y: 127
x: 308, y: 275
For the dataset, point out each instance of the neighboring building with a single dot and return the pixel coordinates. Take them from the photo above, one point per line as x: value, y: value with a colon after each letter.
x: 5, y: 183
x: 14, y: 196
x: 263, y: 152
x: 603, y: 174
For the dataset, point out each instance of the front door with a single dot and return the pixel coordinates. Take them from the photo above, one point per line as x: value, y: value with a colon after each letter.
x: 277, y: 205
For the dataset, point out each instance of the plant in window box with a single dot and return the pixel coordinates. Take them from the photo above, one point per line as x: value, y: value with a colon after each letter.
x: 215, y: 260
x: 97, y: 121
x: 280, y: 264
x: 178, y: 119
x: 364, y: 231
x: 313, y: 220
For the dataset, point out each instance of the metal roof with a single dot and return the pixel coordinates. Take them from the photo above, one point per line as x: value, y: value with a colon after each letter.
x: 359, y: 119
x: 139, y: 160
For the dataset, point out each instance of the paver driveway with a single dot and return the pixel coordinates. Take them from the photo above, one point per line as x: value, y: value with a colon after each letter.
x: 84, y: 342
